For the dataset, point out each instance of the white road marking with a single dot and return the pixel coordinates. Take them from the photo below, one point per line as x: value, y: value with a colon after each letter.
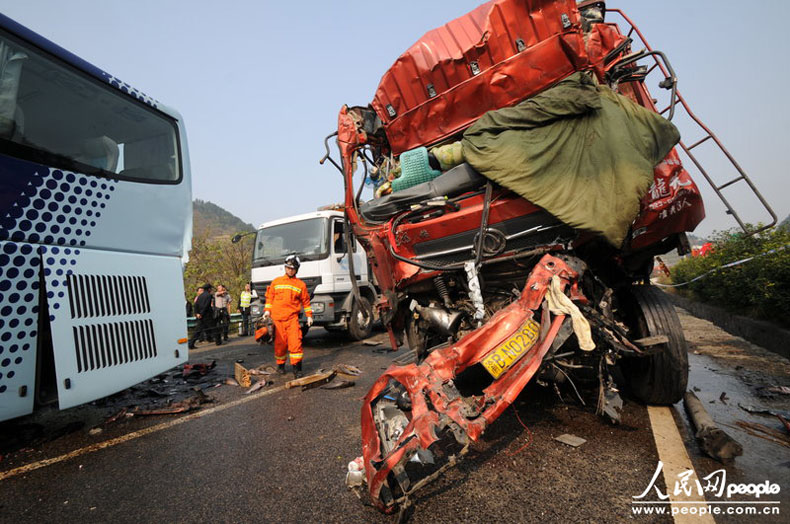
x: 134, y: 435
x: 672, y: 452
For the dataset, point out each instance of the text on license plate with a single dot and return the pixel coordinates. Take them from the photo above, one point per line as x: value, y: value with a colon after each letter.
x: 512, y: 349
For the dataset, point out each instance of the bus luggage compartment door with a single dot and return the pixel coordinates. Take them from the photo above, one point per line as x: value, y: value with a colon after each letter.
x: 116, y: 319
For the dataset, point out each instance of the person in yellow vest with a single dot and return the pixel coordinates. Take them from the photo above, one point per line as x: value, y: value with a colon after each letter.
x: 285, y: 298
x: 244, y: 306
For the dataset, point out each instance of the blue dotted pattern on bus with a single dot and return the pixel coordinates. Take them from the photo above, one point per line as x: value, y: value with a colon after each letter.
x: 58, y: 208
x: 18, y: 307
x: 129, y: 90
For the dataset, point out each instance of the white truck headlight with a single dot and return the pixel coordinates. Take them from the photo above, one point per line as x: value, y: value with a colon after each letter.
x: 319, y: 307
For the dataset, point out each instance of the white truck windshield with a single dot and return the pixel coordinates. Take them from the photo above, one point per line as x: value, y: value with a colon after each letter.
x: 306, y: 238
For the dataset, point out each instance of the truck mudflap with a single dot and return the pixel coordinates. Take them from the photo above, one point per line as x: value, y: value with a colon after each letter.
x: 418, y: 420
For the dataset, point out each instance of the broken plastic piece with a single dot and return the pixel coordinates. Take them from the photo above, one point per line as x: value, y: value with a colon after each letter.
x: 571, y: 440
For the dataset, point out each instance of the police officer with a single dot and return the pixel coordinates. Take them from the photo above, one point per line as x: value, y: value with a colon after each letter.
x: 205, y: 317
x: 244, y: 306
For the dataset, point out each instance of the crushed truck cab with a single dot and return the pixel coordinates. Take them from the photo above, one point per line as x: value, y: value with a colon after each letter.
x: 523, y: 181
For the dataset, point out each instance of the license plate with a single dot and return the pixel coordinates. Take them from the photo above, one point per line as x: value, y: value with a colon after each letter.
x: 512, y: 349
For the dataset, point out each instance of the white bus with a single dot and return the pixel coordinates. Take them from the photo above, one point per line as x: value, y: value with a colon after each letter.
x: 95, y: 217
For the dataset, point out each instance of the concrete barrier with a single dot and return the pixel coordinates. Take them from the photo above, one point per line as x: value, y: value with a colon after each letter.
x: 759, y: 332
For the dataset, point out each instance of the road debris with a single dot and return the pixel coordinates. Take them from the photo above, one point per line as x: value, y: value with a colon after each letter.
x: 571, y: 440
x: 115, y: 417
x: 311, y: 381
x: 347, y: 369
x: 762, y: 431
x: 723, y: 397
x: 189, y: 404
x: 231, y: 382
x: 242, y: 375
x: 765, y: 411
x: 340, y: 384
x: 262, y: 370
x: 712, y: 440
x: 258, y: 385
x: 784, y: 422
x: 371, y: 342
x: 610, y: 403
x: 199, y: 368
x: 772, y: 391
x: 782, y: 390
x: 355, y: 476
x: 95, y: 431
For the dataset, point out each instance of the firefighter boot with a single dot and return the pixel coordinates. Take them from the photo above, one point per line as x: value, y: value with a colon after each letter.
x: 281, y: 369
x: 298, y: 369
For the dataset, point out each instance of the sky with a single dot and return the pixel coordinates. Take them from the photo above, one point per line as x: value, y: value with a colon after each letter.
x: 259, y: 83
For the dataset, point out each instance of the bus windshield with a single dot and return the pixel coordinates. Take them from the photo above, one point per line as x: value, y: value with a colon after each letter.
x: 306, y: 238
x: 57, y: 116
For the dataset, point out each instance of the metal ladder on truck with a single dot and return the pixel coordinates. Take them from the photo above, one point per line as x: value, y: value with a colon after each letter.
x: 676, y: 98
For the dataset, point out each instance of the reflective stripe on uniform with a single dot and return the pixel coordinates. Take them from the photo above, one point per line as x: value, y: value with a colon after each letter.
x: 286, y: 286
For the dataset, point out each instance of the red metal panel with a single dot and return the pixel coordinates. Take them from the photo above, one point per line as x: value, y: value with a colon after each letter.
x: 504, y: 206
x: 443, y: 59
x: 443, y: 365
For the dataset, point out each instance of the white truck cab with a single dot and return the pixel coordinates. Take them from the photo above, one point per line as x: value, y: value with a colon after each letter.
x: 317, y: 239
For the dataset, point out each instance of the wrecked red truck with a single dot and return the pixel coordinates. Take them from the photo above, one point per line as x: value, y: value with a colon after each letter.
x: 523, y: 181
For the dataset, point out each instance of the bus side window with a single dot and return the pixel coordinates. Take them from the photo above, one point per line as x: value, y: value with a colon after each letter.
x: 11, y: 119
x: 151, y: 159
x: 101, y: 152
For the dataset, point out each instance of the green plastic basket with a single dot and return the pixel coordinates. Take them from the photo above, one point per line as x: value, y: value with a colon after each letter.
x: 415, y: 169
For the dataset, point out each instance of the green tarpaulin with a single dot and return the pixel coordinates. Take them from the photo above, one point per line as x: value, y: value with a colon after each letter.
x: 580, y: 151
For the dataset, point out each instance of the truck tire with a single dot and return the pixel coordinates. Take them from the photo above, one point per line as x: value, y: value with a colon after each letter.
x: 360, y: 325
x: 660, y: 378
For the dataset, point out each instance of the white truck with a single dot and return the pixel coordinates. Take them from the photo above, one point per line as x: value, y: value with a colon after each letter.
x: 318, y: 240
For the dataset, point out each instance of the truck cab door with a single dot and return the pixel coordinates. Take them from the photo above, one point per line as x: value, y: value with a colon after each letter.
x: 339, y: 258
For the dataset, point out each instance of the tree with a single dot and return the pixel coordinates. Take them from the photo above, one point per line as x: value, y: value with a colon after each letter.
x: 216, y: 260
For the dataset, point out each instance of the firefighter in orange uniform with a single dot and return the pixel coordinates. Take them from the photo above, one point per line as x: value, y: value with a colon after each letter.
x: 285, y: 297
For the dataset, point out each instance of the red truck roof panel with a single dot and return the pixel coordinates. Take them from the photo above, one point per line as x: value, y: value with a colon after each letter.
x: 425, y: 96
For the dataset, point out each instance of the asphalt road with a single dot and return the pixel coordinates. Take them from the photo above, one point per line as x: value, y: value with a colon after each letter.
x: 280, y: 455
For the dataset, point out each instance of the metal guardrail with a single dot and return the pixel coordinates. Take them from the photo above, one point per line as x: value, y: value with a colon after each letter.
x: 234, y: 318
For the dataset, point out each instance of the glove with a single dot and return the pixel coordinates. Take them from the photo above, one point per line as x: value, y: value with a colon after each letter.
x: 267, y: 314
x: 309, y: 321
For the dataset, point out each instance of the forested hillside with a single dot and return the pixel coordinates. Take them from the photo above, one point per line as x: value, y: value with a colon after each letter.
x: 212, y: 220
x: 214, y: 258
